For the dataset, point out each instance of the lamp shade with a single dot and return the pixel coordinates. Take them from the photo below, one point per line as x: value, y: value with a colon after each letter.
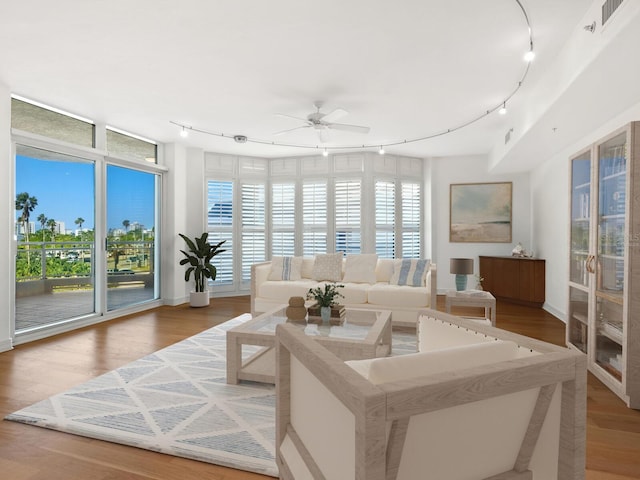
x: 461, y: 266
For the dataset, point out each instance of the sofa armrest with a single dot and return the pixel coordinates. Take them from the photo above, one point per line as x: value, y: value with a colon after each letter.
x: 259, y: 274
x: 432, y: 285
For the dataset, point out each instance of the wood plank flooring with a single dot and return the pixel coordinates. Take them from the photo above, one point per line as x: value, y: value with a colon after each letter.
x: 35, y: 371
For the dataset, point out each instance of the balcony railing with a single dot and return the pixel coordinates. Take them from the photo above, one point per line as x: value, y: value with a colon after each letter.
x: 45, y: 267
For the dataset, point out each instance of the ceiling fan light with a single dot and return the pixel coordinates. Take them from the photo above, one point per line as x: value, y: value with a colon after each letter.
x: 503, y: 109
x: 325, y: 153
x: 381, y: 151
x: 184, y: 133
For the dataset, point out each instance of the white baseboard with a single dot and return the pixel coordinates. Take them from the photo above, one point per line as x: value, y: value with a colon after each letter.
x: 555, y: 312
x: 172, y: 302
x: 6, y: 345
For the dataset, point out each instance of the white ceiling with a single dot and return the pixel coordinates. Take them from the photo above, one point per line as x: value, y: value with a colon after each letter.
x: 407, y: 69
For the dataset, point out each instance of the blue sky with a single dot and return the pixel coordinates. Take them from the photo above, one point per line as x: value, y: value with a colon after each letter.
x: 65, y: 191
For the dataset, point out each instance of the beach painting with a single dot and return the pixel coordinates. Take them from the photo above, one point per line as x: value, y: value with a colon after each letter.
x: 480, y: 212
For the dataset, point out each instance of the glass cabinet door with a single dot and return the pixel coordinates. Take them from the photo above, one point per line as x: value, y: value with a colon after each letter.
x: 580, y: 218
x: 578, y: 326
x: 581, y: 259
x: 610, y: 251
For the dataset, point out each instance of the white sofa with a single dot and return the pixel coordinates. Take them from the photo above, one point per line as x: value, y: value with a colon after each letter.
x: 403, y: 301
x: 476, y: 403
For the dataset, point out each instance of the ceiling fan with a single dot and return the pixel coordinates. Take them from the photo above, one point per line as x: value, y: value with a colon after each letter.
x: 322, y: 122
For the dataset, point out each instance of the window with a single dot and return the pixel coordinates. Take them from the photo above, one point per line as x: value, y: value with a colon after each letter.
x: 45, y: 121
x: 411, y: 216
x: 253, y: 227
x: 283, y: 219
x: 220, y: 227
x: 127, y: 145
x: 59, y: 181
x: 348, y: 211
x: 314, y: 218
x: 385, y: 218
x: 308, y: 206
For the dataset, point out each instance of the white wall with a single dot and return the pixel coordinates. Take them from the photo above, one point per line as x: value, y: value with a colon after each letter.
x: 174, y: 221
x: 550, y: 200
x: 473, y: 169
x: 6, y: 219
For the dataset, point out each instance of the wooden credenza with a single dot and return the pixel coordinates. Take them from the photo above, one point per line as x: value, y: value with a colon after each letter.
x: 514, y: 279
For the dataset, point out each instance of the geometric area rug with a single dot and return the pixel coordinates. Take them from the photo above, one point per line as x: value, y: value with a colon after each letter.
x: 175, y: 401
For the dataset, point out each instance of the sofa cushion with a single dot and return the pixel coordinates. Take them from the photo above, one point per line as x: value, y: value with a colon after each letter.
x: 384, y: 269
x: 285, y: 268
x: 278, y: 291
x: 409, y: 271
x: 327, y: 267
x: 354, y: 293
x: 398, y: 295
x: 360, y: 268
x: 403, y: 367
x: 307, y: 267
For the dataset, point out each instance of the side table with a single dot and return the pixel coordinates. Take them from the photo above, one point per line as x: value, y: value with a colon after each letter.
x: 473, y: 298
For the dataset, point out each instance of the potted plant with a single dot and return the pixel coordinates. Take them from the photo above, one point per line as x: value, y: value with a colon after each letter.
x: 199, y: 258
x: 325, y: 298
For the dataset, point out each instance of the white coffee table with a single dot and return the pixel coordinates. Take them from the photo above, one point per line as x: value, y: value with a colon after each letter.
x: 364, y: 334
x: 473, y: 298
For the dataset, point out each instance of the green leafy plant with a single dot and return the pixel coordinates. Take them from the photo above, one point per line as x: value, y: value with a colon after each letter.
x: 199, y: 259
x: 326, y: 297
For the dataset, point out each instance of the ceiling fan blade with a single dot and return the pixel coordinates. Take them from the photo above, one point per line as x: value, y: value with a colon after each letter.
x: 348, y: 128
x: 291, y: 129
x: 335, y: 115
x: 300, y: 119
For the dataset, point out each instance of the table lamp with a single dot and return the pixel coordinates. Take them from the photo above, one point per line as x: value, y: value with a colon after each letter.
x: 461, y: 267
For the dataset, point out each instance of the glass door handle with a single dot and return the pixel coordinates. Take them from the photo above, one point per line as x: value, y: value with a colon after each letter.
x: 589, y: 263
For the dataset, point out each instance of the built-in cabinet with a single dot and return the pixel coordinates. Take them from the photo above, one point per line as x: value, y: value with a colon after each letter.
x: 604, y: 254
x: 514, y: 279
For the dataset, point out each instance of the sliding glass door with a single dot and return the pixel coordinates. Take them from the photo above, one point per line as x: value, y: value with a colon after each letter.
x: 55, y: 218
x: 131, y: 228
x: 74, y: 260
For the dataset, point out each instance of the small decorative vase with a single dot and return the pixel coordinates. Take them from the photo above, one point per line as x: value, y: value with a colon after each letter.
x: 325, y: 313
x: 296, y: 311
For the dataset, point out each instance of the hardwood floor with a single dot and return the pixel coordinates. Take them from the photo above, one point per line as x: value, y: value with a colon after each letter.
x: 34, y: 371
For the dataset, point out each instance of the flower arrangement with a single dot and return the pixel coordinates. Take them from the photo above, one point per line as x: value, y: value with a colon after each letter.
x: 326, y: 297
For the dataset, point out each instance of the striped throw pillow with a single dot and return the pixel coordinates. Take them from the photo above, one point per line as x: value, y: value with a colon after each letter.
x: 285, y: 268
x: 409, y: 271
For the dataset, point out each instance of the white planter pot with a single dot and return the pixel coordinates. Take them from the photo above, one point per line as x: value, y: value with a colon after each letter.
x: 199, y: 299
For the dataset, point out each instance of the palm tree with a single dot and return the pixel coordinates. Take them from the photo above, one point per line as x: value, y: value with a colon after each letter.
x: 125, y: 224
x: 26, y: 204
x: 51, y: 223
x: 79, y: 221
x: 42, y: 218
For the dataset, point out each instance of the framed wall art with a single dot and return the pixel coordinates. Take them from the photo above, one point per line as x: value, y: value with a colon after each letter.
x: 480, y: 212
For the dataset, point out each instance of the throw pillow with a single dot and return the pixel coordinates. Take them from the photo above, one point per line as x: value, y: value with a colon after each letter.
x: 285, y: 268
x: 327, y: 267
x: 409, y: 271
x: 360, y: 268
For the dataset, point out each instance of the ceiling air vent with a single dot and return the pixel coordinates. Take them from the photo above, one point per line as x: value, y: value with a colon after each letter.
x: 608, y: 8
